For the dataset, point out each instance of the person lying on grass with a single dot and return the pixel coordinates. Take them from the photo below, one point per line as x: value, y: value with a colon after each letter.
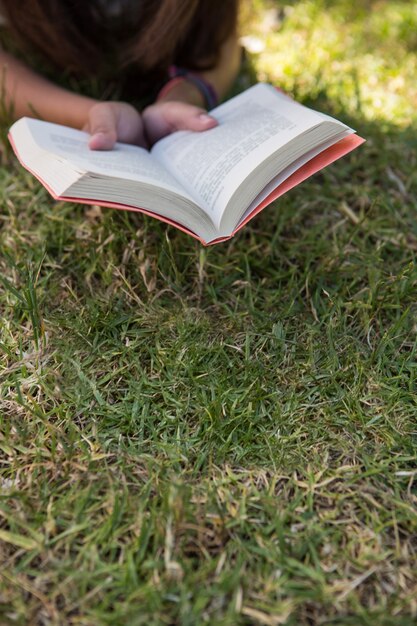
x: 178, y: 55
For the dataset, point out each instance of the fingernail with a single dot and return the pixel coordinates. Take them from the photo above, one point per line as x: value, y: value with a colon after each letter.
x: 98, y: 141
x: 98, y: 136
x: 204, y: 117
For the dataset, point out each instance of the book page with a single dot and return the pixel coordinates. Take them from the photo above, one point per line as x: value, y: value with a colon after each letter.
x: 291, y: 169
x: 252, y: 126
x: 124, y: 161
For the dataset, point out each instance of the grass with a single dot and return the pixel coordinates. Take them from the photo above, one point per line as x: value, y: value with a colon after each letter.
x: 224, y: 436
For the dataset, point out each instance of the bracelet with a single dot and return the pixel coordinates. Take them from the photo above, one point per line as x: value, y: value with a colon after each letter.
x: 178, y: 75
x: 173, y: 82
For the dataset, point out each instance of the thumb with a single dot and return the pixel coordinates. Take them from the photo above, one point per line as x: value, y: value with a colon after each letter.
x: 182, y: 116
x: 102, y: 127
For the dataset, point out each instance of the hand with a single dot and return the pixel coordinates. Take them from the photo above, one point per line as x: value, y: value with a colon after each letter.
x: 109, y: 122
x: 162, y: 118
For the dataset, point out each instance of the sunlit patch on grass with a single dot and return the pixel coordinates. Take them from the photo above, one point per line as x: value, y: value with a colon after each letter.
x: 364, y: 60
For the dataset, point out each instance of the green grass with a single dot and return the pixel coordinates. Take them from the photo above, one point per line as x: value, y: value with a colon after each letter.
x: 227, y: 435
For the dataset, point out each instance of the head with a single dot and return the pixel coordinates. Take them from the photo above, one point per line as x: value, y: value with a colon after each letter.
x: 148, y: 35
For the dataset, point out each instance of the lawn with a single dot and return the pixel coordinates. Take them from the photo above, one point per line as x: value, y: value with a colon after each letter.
x: 224, y: 435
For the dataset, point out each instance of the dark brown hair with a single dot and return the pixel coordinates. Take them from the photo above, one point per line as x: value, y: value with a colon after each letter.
x: 83, y: 39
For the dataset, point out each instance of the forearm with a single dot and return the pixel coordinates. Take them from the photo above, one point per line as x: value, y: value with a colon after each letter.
x: 28, y: 93
x: 220, y: 77
x: 224, y: 74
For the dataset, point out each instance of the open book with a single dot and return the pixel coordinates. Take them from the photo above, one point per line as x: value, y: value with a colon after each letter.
x: 208, y: 184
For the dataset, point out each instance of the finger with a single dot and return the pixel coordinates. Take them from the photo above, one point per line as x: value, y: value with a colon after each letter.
x: 131, y: 131
x: 102, y: 125
x: 181, y: 116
